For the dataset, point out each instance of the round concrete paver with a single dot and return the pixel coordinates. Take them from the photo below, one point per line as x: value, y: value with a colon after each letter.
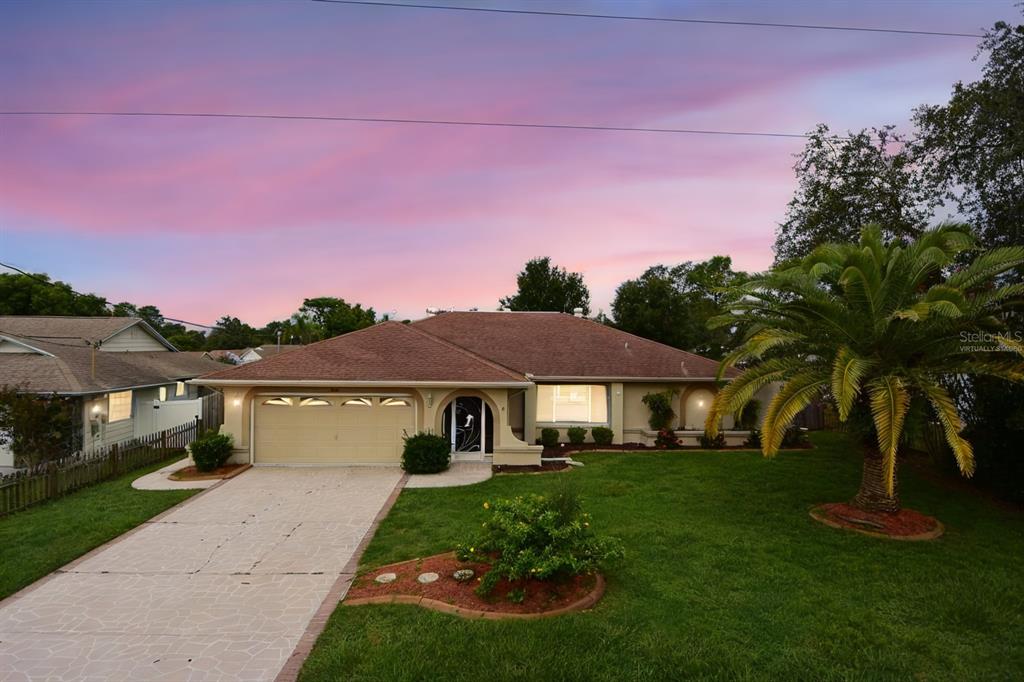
x: 428, y: 577
x: 385, y: 578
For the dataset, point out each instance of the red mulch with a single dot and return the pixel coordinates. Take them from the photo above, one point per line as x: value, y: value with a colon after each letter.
x: 193, y: 474
x: 530, y: 468
x: 903, y: 523
x: 540, y: 596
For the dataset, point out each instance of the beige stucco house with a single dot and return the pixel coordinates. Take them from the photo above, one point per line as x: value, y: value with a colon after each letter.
x: 487, y: 381
x: 124, y: 378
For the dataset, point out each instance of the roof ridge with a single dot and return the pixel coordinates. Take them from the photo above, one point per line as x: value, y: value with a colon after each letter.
x: 466, y: 351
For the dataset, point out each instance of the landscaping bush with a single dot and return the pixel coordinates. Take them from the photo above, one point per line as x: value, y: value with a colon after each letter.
x: 541, y: 537
x: 754, y: 439
x: 666, y: 440
x: 211, y: 450
x: 549, y: 438
x: 577, y: 434
x: 795, y: 437
x: 602, y: 435
x: 747, y: 417
x: 660, y: 405
x: 709, y: 443
x: 426, y: 453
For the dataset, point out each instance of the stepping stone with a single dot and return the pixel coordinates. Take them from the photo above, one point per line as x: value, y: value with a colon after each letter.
x: 385, y: 578
x: 463, y: 574
x: 428, y: 577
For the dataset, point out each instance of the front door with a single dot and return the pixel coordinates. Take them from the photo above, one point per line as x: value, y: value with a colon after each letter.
x: 468, y: 425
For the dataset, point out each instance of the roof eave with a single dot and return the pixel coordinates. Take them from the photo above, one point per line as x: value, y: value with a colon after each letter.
x: 621, y: 379
x: 320, y: 383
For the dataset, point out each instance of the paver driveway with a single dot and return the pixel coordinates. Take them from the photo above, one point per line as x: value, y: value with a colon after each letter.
x: 221, y: 588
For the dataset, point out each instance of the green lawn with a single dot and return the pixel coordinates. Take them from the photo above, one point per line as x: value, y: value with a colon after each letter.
x: 726, y: 578
x: 40, y: 539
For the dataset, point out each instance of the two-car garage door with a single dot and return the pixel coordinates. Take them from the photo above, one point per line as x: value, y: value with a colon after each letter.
x: 331, y: 429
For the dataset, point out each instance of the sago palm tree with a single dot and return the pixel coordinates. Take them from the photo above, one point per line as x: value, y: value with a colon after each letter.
x: 873, y: 327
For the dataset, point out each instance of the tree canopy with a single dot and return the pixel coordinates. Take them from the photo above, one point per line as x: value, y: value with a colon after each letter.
x: 39, y: 295
x: 673, y: 304
x: 542, y: 286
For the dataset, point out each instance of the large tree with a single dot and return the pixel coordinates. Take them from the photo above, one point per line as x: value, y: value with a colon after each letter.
x: 333, y: 316
x: 542, y: 286
x: 38, y: 295
x: 37, y: 429
x: 873, y: 327
x: 673, y: 304
x: 232, y: 334
x: 844, y: 183
x: 973, y: 147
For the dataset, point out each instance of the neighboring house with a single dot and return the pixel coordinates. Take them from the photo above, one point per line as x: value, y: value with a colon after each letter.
x: 126, y: 379
x: 489, y: 382
x: 262, y: 353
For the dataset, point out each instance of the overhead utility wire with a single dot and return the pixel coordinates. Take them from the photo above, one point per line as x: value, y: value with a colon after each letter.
x: 105, y: 302
x: 626, y: 17
x: 414, y: 121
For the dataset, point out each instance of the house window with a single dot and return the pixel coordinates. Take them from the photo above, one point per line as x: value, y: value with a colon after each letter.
x: 357, y: 402
x: 581, y: 403
x: 163, y: 393
x: 119, y: 406
x: 394, y: 402
x: 280, y: 402
x: 179, y: 389
x: 314, y: 402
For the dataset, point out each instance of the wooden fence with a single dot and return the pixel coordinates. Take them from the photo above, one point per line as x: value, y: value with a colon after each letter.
x: 24, y: 488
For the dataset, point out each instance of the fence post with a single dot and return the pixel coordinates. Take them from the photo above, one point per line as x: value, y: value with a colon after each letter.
x: 163, y: 440
x: 113, y: 458
x: 199, y: 428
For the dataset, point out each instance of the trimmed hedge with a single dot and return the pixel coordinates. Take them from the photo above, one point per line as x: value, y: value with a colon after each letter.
x: 426, y: 453
x: 549, y: 437
x: 211, y: 450
x: 577, y: 434
x: 602, y: 435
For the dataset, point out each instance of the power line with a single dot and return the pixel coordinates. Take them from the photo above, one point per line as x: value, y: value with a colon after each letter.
x: 415, y: 121
x: 672, y: 20
x: 107, y: 303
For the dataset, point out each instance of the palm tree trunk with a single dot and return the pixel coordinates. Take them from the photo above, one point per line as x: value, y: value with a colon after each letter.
x: 872, y: 495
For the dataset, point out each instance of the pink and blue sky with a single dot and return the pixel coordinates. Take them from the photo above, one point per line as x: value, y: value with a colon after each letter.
x: 246, y: 217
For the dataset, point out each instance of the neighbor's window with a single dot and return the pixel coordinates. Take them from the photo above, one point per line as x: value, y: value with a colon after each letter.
x: 119, y: 406
x: 584, y: 403
x: 358, y: 402
x: 394, y: 402
x: 179, y: 389
x: 278, y: 401
x: 163, y: 393
x: 314, y: 402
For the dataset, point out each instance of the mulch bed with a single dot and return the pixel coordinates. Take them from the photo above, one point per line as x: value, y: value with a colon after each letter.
x: 193, y: 474
x: 568, y: 449
x: 546, y: 467
x: 449, y: 595
x: 905, y: 524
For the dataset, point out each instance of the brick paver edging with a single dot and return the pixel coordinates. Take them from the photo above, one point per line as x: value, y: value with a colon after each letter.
x: 819, y: 515
x: 292, y: 667
x: 109, y: 543
x: 585, y: 602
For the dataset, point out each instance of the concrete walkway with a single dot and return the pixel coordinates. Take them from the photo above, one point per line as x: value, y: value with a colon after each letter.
x: 459, y: 473
x: 158, y: 480
x: 220, y: 588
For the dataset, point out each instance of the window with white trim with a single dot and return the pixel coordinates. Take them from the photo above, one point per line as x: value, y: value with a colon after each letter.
x: 179, y: 389
x: 119, y: 406
x: 163, y: 393
x: 279, y: 402
x: 577, y: 403
x: 314, y: 402
x: 357, y: 402
x: 394, y: 402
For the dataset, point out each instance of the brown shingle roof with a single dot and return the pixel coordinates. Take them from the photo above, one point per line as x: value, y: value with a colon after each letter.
x: 562, y: 345
x: 390, y: 351
x: 69, y: 368
x: 64, y: 329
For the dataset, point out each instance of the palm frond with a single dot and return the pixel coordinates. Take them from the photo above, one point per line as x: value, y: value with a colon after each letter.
x: 795, y: 395
x: 951, y: 422
x: 738, y: 392
x: 847, y: 372
x: 889, y: 404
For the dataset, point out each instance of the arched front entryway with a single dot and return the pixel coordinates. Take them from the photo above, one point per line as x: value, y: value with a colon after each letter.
x: 468, y: 424
x: 696, y: 405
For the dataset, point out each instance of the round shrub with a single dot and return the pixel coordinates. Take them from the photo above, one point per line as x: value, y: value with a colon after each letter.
x: 549, y: 438
x: 602, y: 435
x: 426, y: 453
x: 577, y: 434
x: 211, y: 450
x: 709, y: 443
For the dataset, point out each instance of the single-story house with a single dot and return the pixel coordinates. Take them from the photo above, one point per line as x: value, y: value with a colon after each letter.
x: 488, y: 381
x: 125, y: 378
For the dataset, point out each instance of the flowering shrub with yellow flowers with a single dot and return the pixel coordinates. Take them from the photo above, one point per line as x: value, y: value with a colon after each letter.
x: 541, y: 537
